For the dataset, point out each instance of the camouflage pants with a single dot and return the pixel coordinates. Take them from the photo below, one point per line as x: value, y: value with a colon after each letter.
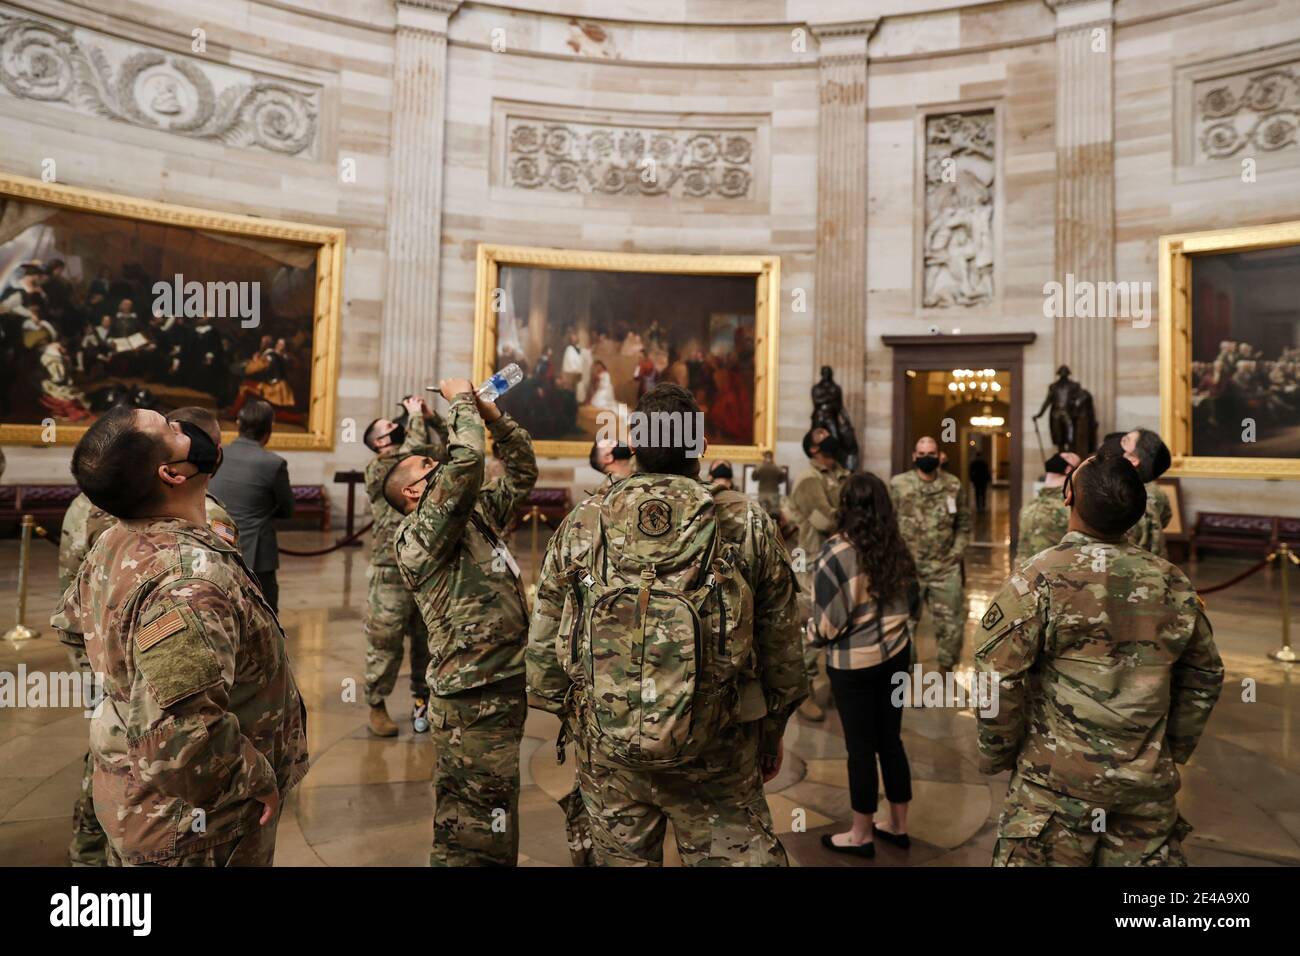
x: 577, y: 828
x: 391, y: 615
x: 89, y: 842
x: 1040, y: 827
x: 476, y: 776
x: 812, y: 656
x: 716, y: 805
x: 255, y: 847
x: 942, y: 593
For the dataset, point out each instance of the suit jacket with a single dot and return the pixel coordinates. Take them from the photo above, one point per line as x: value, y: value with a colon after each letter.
x: 253, y: 484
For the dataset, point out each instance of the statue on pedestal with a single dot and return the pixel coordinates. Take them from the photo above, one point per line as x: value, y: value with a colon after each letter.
x: 1072, y: 418
x: 828, y: 413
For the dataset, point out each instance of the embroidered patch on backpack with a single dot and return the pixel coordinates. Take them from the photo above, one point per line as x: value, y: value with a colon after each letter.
x: 654, y: 517
x: 992, y: 616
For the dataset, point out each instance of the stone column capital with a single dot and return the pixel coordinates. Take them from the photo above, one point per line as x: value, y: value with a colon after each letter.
x: 1073, y: 14
x: 430, y: 15
x: 846, y: 39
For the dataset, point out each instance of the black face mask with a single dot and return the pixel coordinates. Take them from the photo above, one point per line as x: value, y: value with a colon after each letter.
x: 204, y: 453
x: 721, y: 473
x: 1068, y: 489
x: 830, y: 447
x: 398, y: 435
x: 621, y: 453
x: 927, y: 463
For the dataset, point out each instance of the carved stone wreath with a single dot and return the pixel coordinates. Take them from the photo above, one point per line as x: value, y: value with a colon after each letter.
x: 156, y: 90
x: 621, y: 160
x: 1263, y: 115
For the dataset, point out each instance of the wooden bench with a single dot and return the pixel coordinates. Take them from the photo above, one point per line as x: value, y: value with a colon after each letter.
x: 47, y: 504
x: 1256, y: 534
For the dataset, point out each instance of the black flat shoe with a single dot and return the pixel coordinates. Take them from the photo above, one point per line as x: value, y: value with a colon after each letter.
x: 897, y: 839
x: 865, y: 850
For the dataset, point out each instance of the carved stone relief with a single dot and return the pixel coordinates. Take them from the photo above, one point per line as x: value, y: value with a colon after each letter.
x: 98, y: 75
x: 571, y: 156
x: 960, y: 166
x: 1252, y: 111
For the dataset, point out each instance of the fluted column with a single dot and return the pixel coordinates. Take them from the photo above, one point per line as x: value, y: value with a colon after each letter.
x: 1085, y: 189
x: 410, y: 335
x: 840, y: 309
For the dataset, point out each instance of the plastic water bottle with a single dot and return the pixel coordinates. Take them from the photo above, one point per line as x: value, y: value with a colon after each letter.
x: 500, y: 383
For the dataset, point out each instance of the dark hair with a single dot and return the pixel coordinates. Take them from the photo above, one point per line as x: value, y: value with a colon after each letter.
x: 115, y: 463
x: 255, y: 419
x: 667, y: 398
x: 594, y: 458
x: 1108, y: 494
x: 867, y: 520
x: 368, y: 437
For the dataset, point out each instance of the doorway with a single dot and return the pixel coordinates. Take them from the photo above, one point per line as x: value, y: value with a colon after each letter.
x: 966, y: 391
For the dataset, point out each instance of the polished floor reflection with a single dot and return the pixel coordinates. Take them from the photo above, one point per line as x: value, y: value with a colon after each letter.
x: 368, y: 801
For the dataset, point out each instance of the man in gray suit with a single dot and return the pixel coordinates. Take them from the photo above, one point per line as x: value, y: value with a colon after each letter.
x: 254, y: 486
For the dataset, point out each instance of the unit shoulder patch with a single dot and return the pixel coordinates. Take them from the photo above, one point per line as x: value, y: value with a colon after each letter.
x: 992, y: 616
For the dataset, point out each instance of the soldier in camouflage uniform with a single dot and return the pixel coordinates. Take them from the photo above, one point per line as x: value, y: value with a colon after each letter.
x: 935, y: 522
x: 814, y: 504
x: 1107, y: 674
x: 391, y: 614
x: 715, y: 799
x: 203, y: 730
x: 1146, y: 452
x: 83, y: 523
x: 467, y: 587
x: 1044, y: 518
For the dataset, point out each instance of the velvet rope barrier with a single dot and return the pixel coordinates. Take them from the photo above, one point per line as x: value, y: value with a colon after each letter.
x: 341, y: 543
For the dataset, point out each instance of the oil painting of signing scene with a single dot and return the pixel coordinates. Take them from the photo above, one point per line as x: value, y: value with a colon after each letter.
x: 593, y: 332
x: 106, y: 300
x: 1230, y: 351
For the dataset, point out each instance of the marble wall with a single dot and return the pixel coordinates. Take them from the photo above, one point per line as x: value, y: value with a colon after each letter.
x: 431, y: 99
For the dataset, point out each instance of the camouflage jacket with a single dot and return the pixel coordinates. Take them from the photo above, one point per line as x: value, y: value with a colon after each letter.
x: 466, y: 583
x: 814, y: 503
x: 418, y: 442
x: 202, y: 713
x: 932, y: 518
x: 1043, y: 523
x: 1149, y: 532
x: 776, y: 683
x: 83, y: 523
x: 1107, y: 668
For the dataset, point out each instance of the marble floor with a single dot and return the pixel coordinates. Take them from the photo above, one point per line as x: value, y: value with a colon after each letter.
x: 368, y: 801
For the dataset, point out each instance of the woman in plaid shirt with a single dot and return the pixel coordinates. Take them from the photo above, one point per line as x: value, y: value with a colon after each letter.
x: 865, y: 603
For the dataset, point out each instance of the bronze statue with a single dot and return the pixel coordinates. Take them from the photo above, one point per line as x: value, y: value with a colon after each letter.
x: 828, y: 413
x: 1072, y: 418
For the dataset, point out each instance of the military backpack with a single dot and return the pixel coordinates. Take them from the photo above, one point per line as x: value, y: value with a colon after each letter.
x: 657, y: 625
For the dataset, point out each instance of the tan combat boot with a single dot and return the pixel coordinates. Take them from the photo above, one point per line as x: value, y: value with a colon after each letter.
x: 381, y: 725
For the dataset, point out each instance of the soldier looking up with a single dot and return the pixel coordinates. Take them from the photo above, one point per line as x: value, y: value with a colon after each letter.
x: 1107, y: 674
x: 1045, y: 519
x: 203, y: 729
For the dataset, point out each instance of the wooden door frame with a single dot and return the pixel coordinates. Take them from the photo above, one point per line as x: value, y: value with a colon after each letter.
x: 925, y: 353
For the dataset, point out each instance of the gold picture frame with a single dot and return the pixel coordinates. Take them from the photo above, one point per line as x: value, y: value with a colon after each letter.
x: 326, y: 313
x: 766, y: 271
x: 1176, y: 338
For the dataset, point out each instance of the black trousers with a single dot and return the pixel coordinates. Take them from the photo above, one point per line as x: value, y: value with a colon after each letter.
x: 270, y: 588
x: 981, y: 497
x: 873, y: 728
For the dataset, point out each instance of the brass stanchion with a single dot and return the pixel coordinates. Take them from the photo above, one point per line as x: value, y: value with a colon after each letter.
x: 20, y: 631
x: 1285, y: 653
x: 534, y: 515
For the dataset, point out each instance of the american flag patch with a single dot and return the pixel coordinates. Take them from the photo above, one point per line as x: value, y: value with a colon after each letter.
x: 223, y: 531
x: 165, y: 626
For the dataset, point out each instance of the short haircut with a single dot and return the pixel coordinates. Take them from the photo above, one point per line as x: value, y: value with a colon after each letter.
x: 667, y: 398
x: 205, y: 418
x: 116, y: 463
x: 397, y: 480
x: 1153, y: 452
x: 1109, y: 495
x: 594, y: 458
x: 368, y: 437
x: 255, y: 419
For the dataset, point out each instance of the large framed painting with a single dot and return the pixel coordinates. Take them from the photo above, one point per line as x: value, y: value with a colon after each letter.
x: 1230, y: 351
x: 108, y: 300
x: 593, y: 331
